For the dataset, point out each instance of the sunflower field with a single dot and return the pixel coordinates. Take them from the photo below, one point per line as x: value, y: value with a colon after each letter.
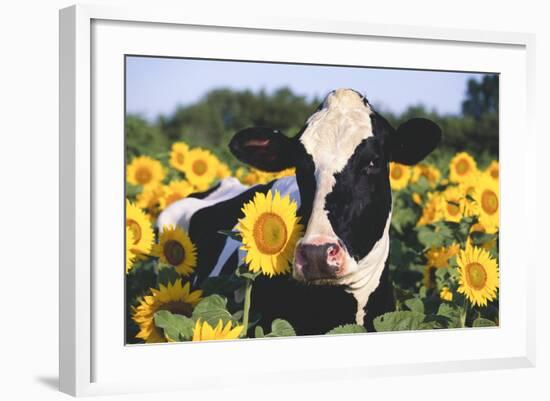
x: 443, y: 256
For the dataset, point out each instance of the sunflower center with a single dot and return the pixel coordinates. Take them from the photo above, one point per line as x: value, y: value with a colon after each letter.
x: 462, y: 166
x: 174, y: 252
x: 476, y: 275
x: 452, y: 208
x: 270, y: 233
x: 136, y: 229
x: 396, y: 172
x: 200, y: 167
x: 143, y: 175
x: 177, y: 307
x: 489, y: 201
x: 179, y: 158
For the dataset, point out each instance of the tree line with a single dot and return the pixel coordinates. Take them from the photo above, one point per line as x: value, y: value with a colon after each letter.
x: 212, y: 121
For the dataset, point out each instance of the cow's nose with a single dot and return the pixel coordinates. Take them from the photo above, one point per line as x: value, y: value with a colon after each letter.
x: 319, y: 261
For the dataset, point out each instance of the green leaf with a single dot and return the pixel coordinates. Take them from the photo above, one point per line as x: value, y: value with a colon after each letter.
x: 479, y: 238
x: 397, y: 321
x: 281, y: 328
x: 400, y: 296
x: 446, y: 230
x: 403, y: 218
x: 401, y: 253
x: 481, y: 322
x: 236, y: 235
x: 259, y: 332
x: 462, y: 229
x: 348, y: 329
x: 415, y: 305
x: 223, y: 284
x: 176, y: 327
x: 167, y: 275
x: 433, y: 322
x: 428, y: 237
x: 452, y: 313
x: 212, y: 309
x: 243, y: 272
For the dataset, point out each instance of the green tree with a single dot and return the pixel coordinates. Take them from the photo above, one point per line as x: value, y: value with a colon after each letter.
x: 212, y: 121
x: 143, y: 138
x: 481, y: 97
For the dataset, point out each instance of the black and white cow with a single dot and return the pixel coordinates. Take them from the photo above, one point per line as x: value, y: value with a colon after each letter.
x: 340, y: 273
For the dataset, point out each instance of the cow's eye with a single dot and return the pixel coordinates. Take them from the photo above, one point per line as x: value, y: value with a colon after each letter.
x: 371, y: 167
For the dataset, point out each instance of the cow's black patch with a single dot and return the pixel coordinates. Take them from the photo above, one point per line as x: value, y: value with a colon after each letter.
x: 229, y: 266
x: 307, y: 185
x: 311, y: 309
x: 206, y: 222
x: 359, y: 204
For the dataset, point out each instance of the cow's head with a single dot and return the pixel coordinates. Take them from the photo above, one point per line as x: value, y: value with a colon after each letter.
x: 341, y: 159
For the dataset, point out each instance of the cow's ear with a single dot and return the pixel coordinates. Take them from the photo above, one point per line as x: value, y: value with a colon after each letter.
x: 263, y: 148
x: 414, y: 140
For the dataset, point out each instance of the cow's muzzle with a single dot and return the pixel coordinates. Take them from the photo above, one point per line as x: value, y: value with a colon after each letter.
x: 321, y: 260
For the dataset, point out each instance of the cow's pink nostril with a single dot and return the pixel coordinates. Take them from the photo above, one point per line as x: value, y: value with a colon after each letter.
x: 333, y: 250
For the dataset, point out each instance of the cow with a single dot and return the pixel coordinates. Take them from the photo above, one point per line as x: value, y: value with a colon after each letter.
x: 341, y: 156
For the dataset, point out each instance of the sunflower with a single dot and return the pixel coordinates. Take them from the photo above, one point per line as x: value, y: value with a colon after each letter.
x: 175, y: 191
x: 432, y: 210
x: 439, y: 257
x: 223, y: 171
x: 242, y: 175
x: 255, y: 176
x: 461, y: 166
x: 446, y: 294
x: 142, y: 231
x: 430, y: 173
x: 151, y: 198
x: 130, y: 256
x: 493, y: 170
x: 204, y: 332
x: 468, y: 185
x: 177, y: 155
x: 487, y: 201
x: 200, y: 167
x: 479, y: 228
x: 144, y: 171
x: 176, y: 249
x: 175, y: 297
x: 455, y: 205
x: 478, y: 275
x: 285, y: 173
x: 399, y: 176
x: 416, y: 198
x: 251, y: 176
x: 270, y: 230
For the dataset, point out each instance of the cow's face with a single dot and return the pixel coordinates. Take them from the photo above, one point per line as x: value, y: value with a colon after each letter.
x: 341, y: 159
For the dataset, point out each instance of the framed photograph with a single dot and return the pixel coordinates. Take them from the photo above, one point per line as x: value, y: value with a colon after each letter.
x: 296, y: 198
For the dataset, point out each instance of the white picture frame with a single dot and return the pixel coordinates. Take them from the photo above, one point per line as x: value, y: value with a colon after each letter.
x: 90, y: 360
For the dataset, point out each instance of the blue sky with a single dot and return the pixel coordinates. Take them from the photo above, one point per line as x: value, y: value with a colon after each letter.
x: 157, y: 86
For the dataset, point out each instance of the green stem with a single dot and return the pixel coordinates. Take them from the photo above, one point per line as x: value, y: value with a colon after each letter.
x: 247, y: 296
x: 465, y: 314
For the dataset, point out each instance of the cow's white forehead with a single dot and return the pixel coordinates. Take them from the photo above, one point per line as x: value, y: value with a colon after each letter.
x: 334, y: 132
x: 331, y: 137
